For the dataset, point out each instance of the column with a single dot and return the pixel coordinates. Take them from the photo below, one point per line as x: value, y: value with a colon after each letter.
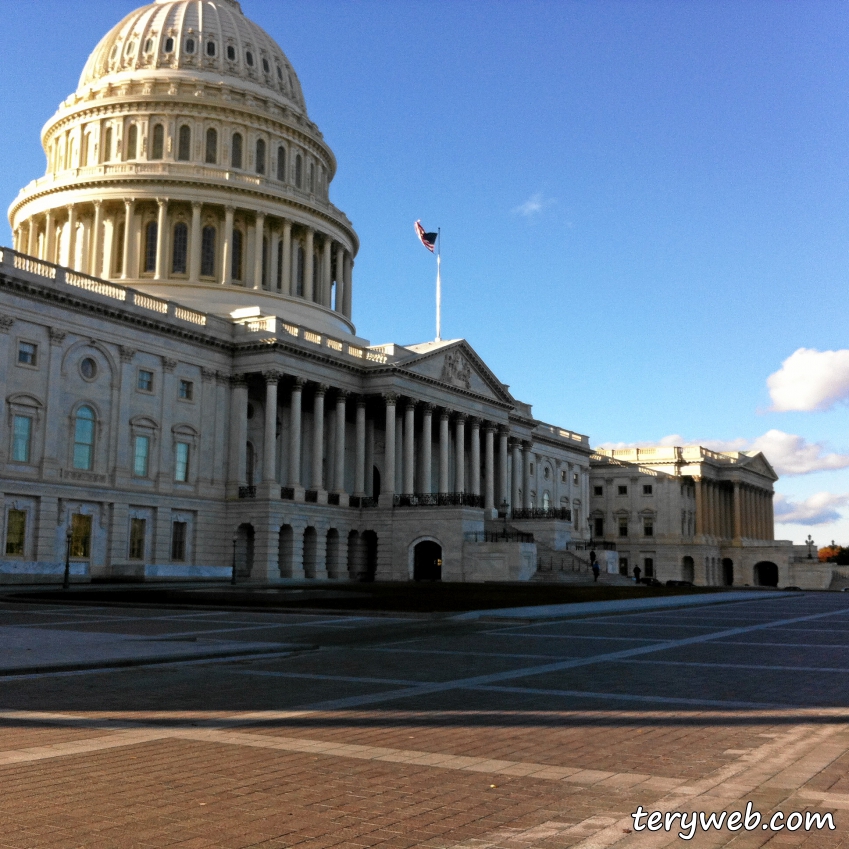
x: 129, y: 214
x: 700, y: 507
x: 515, y: 497
x: 489, y: 467
x: 369, y: 462
x: 770, y: 517
x: 360, y: 459
x: 161, y: 240
x: 318, y: 437
x: 326, y: 285
x: 526, y: 473
x: 387, y: 496
x: 410, y: 447
x: 286, y: 278
x: 96, y: 239
x: 49, y: 237
x: 269, y: 453
x: 238, y: 432
x: 475, y: 456
x: 349, y: 283
x: 295, y: 433
x: 259, y: 249
x: 399, y: 453
x: 308, y: 264
x: 340, y: 278
x: 503, y: 488
x: 443, y: 451
x: 427, y: 448
x: 339, y: 468
x: 195, y: 244
x: 227, y: 253
x: 72, y: 237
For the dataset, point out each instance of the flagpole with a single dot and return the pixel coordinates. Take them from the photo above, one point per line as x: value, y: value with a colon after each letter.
x: 438, y: 284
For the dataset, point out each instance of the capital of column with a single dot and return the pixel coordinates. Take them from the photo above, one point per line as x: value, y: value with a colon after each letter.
x: 445, y: 415
x: 342, y: 395
x: 461, y: 418
x: 411, y: 404
x: 298, y: 384
x: 127, y: 202
x: 238, y: 380
x: 503, y: 430
x: 527, y: 444
x: 391, y: 398
x: 168, y: 364
x: 207, y: 374
x: 228, y: 208
x: 474, y: 422
x: 321, y: 389
x: 361, y: 402
x: 427, y: 408
x: 161, y: 201
x: 126, y: 353
x: 196, y: 204
x: 272, y: 376
x: 98, y: 203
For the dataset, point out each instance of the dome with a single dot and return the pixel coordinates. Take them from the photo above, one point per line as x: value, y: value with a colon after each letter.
x: 205, y: 40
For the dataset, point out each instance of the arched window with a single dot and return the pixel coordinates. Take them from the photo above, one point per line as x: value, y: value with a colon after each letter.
x: 84, y: 439
x: 181, y: 248
x: 150, y: 240
x: 190, y: 46
x: 157, y: 147
x: 184, y: 144
x: 107, y: 145
x: 132, y: 141
x: 236, y: 270
x: 260, y: 156
x: 281, y: 164
x: 299, y: 276
x: 236, y: 155
x: 210, y: 48
x: 169, y: 45
x: 86, y: 149
x: 207, y: 252
x: 212, y: 146
x: 299, y: 171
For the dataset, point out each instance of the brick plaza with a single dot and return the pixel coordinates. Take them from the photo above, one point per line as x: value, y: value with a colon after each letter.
x: 272, y: 729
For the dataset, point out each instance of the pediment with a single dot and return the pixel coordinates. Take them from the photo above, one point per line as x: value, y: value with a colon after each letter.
x: 759, y: 464
x: 455, y: 364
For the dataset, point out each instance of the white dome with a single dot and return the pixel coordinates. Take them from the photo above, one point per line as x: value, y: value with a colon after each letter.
x: 208, y: 40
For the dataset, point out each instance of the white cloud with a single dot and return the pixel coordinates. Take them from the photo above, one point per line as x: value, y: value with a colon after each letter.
x: 788, y: 453
x: 810, y: 380
x: 534, y: 204
x: 818, y: 509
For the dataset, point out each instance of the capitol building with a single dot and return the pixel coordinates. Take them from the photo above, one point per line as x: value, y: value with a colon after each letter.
x: 185, y: 389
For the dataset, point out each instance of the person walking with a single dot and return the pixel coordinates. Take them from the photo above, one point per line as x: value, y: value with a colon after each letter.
x: 596, y: 571
x: 637, y: 573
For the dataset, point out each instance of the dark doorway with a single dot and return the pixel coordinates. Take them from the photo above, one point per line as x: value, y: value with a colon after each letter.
x: 427, y: 561
x: 728, y: 572
x: 688, y: 570
x: 244, y: 553
x: 375, y: 483
x: 370, y: 540
x: 766, y: 574
x: 310, y: 552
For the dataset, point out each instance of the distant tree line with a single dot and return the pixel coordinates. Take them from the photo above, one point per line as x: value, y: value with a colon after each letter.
x: 834, y: 554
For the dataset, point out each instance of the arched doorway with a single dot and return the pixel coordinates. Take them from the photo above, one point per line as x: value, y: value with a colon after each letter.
x: 310, y: 552
x: 427, y: 561
x: 333, y: 553
x: 766, y: 574
x: 244, y: 550
x: 286, y: 551
x: 370, y: 540
x: 688, y: 570
x: 727, y: 572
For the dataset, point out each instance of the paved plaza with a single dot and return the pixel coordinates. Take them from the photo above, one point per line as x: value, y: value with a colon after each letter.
x: 156, y: 727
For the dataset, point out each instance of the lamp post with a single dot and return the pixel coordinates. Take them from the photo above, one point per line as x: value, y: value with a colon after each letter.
x: 233, y: 576
x: 66, y: 581
x: 810, y: 543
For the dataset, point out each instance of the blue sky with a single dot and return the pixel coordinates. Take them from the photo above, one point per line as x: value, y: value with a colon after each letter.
x: 644, y: 205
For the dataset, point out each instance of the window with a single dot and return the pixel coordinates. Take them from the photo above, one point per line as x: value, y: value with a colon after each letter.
x: 157, y: 147
x: 190, y: 46
x: 236, y: 270
x: 260, y: 156
x: 622, y: 490
x: 281, y: 164
x: 141, y: 456
x: 598, y: 490
x: 236, y: 153
x: 178, y: 541
x: 598, y: 527
x: 80, y: 535
x: 145, y: 381
x: 148, y: 46
x: 249, y: 58
x: 575, y: 479
x: 207, y: 252
x: 299, y: 171
x: 150, y: 243
x: 184, y: 144
x: 648, y: 527
x: 107, y: 145
x: 647, y: 489
x: 84, y: 438
x: 546, y: 501
x: 132, y: 141
x: 623, y: 526
x: 530, y: 468
x: 648, y: 567
x: 231, y: 53
x: 88, y: 368
x: 27, y: 353
x: 265, y: 66
x: 137, y: 535
x: 187, y: 390
x: 312, y: 178
x: 181, y: 462
x: 181, y: 248
x: 16, y: 530
x: 169, y: 45
x: 21, y: 439
x: 210, y: 48
x: 623, y: 565
x: 211, y: 146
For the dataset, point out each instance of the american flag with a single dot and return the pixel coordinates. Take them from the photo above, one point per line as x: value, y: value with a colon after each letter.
x: 427, y: 239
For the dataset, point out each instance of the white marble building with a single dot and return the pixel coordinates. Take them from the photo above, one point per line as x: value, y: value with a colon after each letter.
x: 184, y: 386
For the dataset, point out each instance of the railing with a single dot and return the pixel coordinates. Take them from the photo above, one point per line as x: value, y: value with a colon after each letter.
x: 563, y: 514
x: 499, y: 536
x: 147, y: 302
x: 247, y: 492
x: 563, y: 562
x: 311, y: 496
x: 362, y: 502
x: 439, y: 499
x: 598, y: 545
x: 287, y: 493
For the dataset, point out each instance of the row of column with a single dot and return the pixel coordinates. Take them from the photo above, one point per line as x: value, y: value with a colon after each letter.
x: 332, y: 262
x: 740, y: 511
